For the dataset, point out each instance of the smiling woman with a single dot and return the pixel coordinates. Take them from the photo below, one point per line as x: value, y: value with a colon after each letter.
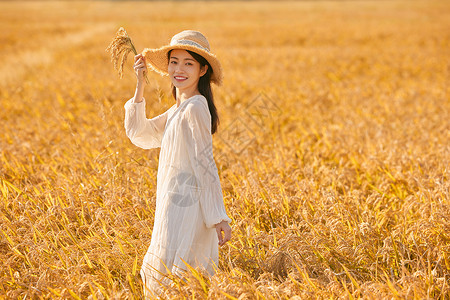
x: 190, y: 217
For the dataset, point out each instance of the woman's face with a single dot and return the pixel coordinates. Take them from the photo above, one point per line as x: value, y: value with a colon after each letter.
x: 184, y: 70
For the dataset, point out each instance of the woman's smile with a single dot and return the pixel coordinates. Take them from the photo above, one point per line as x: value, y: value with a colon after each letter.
x: 180, y: 78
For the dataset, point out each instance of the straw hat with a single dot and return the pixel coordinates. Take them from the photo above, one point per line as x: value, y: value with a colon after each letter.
x: 188, y: 40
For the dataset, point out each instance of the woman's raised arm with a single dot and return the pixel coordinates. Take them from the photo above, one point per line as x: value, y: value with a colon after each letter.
x: 140, y: 69
x: 143, y: 132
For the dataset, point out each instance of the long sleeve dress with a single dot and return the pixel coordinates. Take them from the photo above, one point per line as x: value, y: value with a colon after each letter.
x: 189, y: 199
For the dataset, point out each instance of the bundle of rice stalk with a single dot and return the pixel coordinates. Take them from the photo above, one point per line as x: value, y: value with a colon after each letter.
x: 119, y: 48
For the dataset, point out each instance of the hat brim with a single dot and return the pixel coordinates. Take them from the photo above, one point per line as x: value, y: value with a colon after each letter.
x: 158, y: 61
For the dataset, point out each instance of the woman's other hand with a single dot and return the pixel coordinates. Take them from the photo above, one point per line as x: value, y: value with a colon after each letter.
x: 226, y: 229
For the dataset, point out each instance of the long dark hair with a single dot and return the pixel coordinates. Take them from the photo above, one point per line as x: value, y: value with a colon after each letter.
x: 204, y: 87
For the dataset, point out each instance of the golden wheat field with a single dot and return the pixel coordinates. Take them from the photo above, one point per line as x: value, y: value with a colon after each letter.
x: 333, y: 149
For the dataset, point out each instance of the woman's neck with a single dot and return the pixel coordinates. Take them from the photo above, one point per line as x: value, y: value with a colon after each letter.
x: 185, y: 94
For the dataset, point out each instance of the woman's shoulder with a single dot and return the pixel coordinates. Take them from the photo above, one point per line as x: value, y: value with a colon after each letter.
x: 200, y: 99
x: 198, y: 108
x: 198, y: 102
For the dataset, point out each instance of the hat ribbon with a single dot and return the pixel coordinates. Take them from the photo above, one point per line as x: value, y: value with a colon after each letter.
x: 188, y: 42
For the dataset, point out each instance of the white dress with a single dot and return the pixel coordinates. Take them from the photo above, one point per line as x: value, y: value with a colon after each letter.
x: 189, y: 199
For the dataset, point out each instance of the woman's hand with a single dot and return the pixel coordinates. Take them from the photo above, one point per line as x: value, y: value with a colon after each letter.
x: 140, y: 67
x: 226, y: 229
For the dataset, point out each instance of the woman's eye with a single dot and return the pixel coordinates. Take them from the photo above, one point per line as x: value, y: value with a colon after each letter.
x: 189, y: 64
x: 173, y: 62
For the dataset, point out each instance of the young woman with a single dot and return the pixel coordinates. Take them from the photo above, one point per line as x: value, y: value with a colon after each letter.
x: 190, y: 217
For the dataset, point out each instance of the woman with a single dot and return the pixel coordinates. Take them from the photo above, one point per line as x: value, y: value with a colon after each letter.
x: 190, y: 217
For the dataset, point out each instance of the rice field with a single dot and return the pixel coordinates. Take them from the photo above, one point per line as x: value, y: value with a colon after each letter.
x: 333, y: 149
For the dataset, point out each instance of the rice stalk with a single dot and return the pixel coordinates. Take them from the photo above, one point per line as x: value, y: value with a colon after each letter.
x: 120, y: 47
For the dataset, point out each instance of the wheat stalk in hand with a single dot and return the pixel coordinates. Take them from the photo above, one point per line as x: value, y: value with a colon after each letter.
x: 119, y: 48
